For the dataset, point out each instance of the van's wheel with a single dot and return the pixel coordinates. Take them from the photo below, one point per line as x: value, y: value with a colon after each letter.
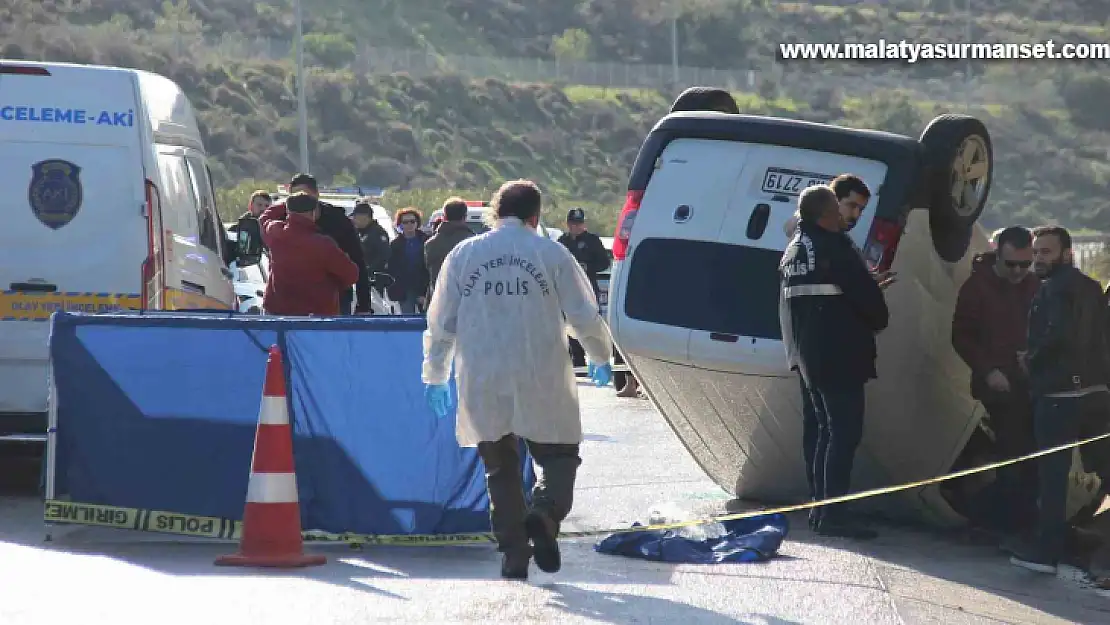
x: 705, y: 99
x: 254, y: 310
x: 959, y: 167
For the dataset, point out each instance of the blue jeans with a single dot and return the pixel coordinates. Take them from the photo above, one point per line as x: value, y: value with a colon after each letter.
x: 832, y: 428
x: 1060, y: 420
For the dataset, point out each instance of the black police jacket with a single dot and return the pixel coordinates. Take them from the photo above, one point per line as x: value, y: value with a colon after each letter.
x: 375, y: 246
x: 1068, y: 343
x: 830, y: 309
x: 588, y: 250
x: 334, y: 223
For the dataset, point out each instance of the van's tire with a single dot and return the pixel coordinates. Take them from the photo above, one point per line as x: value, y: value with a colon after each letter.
x: 705, y: 99
x: 959, y: 168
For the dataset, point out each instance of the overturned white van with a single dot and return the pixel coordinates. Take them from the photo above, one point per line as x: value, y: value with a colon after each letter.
x: 695, y: 288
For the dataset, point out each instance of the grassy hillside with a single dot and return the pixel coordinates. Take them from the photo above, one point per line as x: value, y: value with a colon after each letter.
x: 442, y: 133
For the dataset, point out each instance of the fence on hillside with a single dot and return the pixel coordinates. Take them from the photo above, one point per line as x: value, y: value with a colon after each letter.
x: 417, y: 62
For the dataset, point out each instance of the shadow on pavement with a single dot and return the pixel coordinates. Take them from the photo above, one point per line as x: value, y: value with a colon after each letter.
x: 615, y: 607
x: 952, y: 557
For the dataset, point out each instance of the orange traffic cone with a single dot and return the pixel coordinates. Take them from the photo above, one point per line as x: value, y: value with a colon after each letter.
x: 272, y: 516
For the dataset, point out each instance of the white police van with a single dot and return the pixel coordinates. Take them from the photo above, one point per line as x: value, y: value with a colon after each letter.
x: 108, y: 205
x: 695, y: 289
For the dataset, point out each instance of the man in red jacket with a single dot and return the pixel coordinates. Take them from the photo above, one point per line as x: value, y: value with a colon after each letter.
x: 307, y: 269
x: 989, y: 330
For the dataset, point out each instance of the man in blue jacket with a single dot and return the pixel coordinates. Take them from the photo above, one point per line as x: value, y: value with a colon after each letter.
x: 831, y: 308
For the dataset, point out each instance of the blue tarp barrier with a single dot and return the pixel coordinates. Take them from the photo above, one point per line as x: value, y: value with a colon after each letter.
x: 158, y: 411
x: 745, y: 540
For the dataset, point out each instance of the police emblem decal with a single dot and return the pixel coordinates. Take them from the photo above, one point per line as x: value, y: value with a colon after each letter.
x: 55, y: 193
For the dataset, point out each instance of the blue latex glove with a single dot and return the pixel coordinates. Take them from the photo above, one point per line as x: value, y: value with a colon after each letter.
x: 602, y: 375
x: 438, y: 397
x: 590, y: 370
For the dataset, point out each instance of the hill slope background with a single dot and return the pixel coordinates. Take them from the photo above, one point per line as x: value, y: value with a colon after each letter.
x: 432, y: 135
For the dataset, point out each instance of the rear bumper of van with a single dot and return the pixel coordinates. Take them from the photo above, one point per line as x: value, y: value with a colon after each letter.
x: 24, y: 358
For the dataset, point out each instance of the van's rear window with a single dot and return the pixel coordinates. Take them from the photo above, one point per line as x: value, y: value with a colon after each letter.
x: 701, y: 285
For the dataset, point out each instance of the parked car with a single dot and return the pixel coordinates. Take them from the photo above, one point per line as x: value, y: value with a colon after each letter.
x: 477, y: 222
x: 708, y: 201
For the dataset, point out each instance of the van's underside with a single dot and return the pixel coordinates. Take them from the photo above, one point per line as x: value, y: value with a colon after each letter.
x: 745, y: 429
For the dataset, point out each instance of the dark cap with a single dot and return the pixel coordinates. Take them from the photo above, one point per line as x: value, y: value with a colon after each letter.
x: 363, y: 208
x: 576, y: 215
x: 304, y: 180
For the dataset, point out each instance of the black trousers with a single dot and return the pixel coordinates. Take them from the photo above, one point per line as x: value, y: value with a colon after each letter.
x: 832, y: 428
x: 1012, y: 500
x: 620, y: 378
x: 552, y: 496
x: 1060, y: 420
x: 577, y: 353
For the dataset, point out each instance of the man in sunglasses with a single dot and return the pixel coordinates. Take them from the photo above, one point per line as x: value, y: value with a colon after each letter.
x: 989, y: 332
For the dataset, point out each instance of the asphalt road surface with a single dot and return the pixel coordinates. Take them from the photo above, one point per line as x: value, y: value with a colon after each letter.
x: 632, y: 463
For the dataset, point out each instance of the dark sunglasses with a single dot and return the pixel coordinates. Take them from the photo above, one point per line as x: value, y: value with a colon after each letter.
x: 1018, y: 264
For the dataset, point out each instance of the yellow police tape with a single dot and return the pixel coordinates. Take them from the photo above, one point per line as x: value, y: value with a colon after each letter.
x: 67, y: 512
x: 616, y: 369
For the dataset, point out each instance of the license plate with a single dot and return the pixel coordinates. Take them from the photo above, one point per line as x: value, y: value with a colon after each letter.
x: 779, y: 181
x: 21, y: 306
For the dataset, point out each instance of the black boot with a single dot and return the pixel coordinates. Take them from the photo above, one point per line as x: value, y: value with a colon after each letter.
x: 514, y: 565
x: 545, y: 542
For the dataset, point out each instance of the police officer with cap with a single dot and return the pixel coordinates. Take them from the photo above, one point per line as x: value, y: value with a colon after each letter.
x: 830, y: 310
x: 587, y: 249
x: 374, y: 238
x: 585, y: 246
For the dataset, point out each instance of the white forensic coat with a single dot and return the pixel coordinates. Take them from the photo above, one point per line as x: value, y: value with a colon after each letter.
x: 498, y: 313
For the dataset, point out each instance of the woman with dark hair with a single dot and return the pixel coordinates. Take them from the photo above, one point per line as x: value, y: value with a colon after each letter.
x: 406, y: 263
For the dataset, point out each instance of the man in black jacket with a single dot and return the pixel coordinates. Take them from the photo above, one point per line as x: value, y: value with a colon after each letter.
x: 830, y: 310
x: 589, y: 251
x: 333, y: 222
x: 248, y: 221
x: 1069, y: 369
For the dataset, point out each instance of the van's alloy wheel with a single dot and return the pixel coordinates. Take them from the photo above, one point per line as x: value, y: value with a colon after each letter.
x: 959, y: 168
x: 970, y: 182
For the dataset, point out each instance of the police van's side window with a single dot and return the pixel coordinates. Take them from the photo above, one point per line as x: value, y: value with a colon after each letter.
x: 178, y: 192
x: 206, y: 207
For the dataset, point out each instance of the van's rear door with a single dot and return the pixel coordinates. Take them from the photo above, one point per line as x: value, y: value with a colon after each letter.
x: 74, y: 235
x: 671, y: 267
x: 743, y: 333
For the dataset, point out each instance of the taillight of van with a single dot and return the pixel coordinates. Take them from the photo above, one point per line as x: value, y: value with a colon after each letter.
x: 882, y: 244
x: 153, y: 267
x: 23, y: 70
x: 624, y: 224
